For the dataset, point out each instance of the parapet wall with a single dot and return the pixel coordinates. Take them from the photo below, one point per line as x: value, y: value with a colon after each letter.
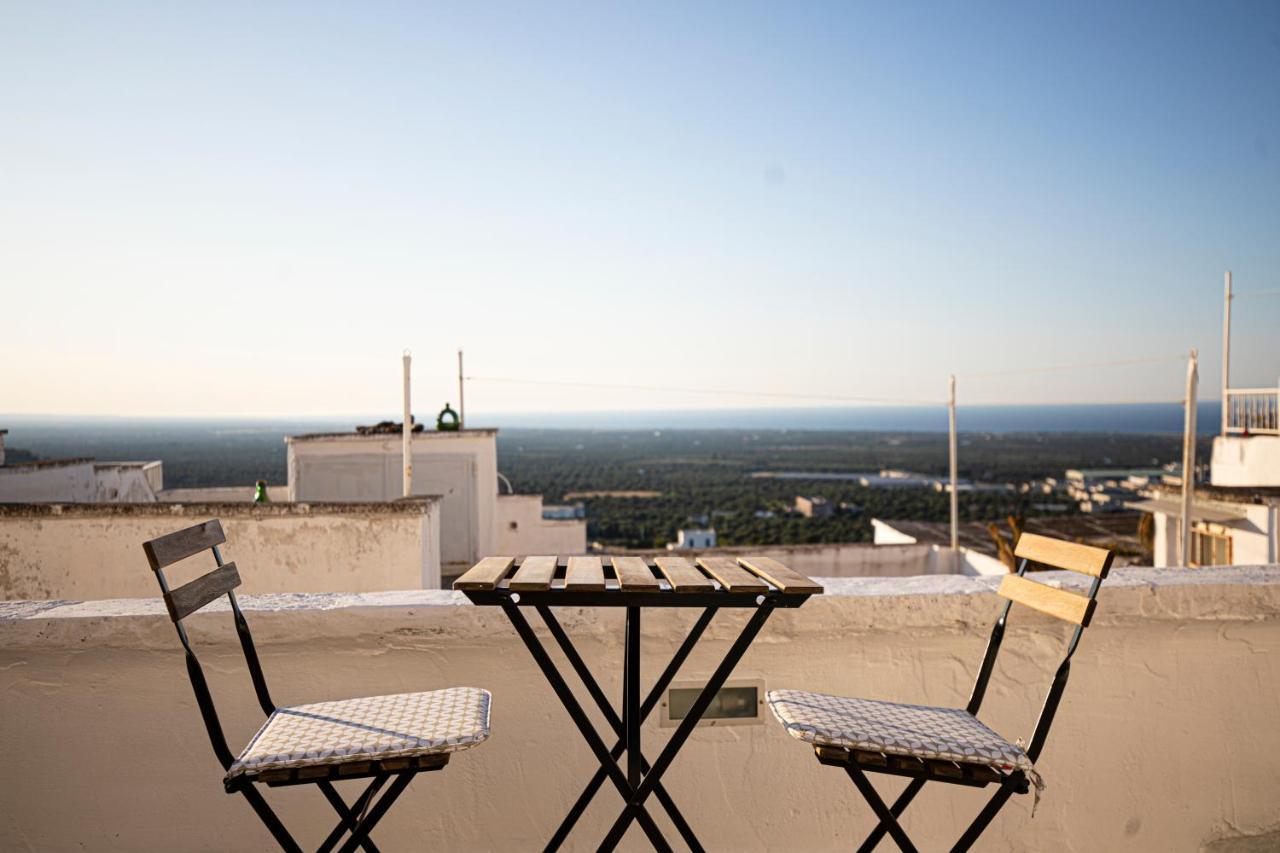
x: 1166, y: 738
x: 94, y: 551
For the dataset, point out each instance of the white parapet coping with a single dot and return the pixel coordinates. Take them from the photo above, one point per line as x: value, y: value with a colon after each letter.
x: 932, y: 585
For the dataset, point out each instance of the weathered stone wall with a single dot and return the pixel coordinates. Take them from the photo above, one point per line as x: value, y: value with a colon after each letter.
x: 1166, y: 739
x: 94, y: 551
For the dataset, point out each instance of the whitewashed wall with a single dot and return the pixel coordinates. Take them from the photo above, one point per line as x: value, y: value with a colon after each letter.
x: 94, y: 551
x: 1166, y: 739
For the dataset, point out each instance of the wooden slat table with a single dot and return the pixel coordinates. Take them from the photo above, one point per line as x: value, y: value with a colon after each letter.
x: 758, y: 584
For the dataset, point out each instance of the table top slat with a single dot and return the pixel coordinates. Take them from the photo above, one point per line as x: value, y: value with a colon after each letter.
x: 634, y: 575
x: 485, y: 574
x: 788, y: 580
x: 584, y: 573
x: 683, y: 576
x: 731, y: 576
x: 535, y: 573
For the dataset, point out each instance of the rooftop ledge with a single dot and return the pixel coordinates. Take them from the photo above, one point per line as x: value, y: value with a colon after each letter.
x: 396, y: 435
x: 1227, y: 592
x: 243, y: 509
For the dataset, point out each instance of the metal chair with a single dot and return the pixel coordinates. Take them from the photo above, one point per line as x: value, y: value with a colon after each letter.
x: 927, y: 744
x: 381, y: 738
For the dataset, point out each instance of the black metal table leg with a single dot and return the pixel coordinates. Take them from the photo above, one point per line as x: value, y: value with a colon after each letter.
x: 651, y: 701
x: 580, y: 719
x: 631, y: 697
x: 634, y: 809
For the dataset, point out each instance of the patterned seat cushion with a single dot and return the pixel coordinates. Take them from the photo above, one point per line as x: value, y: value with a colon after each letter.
x: 376, y: 727
x: 951, y: 734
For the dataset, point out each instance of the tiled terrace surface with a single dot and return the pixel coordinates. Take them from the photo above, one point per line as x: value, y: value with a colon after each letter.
x: 1166, y: 740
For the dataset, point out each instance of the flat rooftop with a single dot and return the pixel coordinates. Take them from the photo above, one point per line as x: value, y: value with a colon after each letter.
x: 1117, y: 530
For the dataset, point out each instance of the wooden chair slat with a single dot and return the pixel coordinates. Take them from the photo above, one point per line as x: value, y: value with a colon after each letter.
x: 634, y: 575
x: 682, y: 575
x: 534, y: 574
x: 485, y: 574
x: 1055, y: 602
x: 1058, y: 554
x: 172, y: 547
x: 732, y: 577
x: 190, y: 597
x: 584, y: 574
x: 786, y: 579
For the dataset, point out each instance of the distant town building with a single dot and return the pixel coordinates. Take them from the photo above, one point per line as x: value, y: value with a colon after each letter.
x: 1235, y: 518
x: 697, y: 538
x: 814, y: 507
x: 1118, y: 531
x: 564, y: 513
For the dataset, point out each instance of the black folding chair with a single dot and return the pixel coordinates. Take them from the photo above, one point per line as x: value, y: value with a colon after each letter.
x: 927, y: 744
x: 380, y: 738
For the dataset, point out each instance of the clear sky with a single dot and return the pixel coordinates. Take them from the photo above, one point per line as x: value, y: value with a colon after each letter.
x: 253, y: 208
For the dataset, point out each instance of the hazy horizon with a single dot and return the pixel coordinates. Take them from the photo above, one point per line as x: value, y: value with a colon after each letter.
x: 1084, y: 417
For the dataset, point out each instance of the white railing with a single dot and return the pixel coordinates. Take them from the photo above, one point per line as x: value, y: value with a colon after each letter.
x: 1252, y: 411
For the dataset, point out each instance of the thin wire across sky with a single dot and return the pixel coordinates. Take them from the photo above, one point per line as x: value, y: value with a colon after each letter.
x: 838, y: 398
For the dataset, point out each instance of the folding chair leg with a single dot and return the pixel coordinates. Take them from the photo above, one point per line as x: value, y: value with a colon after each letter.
x: 899, y: 806
x: 282, y: 836
x: 366, y: 826
x: 984, y: 817
x: 350, y: 817
x: 887, y: 818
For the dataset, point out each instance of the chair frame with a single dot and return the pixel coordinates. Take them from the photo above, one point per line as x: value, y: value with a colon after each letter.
x: 1031, y: 548
x: 359, y: 818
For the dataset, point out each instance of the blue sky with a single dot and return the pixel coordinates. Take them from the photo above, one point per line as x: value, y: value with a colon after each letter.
x: 239, y: 209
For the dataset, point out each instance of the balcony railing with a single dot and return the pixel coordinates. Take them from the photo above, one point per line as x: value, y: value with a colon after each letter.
x: 1253, y: 411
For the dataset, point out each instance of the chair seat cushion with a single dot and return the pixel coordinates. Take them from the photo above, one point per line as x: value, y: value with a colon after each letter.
x: 373, y: 728
x: 950, y: 734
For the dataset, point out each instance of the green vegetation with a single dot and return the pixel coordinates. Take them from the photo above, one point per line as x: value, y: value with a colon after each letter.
x: 694, y: 472
x: 707, y: 473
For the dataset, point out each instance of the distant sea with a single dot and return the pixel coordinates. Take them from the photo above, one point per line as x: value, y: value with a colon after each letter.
x: 1122, y: 418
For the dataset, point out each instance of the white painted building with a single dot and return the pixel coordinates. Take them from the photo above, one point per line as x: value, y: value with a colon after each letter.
x: 80, y: 481
x: 460, y: 466
x: 697, y: 538
x: 1235, y: 520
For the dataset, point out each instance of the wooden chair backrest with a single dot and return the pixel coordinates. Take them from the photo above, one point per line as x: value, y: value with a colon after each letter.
x: 171, y: 548
x: 1055, y: 553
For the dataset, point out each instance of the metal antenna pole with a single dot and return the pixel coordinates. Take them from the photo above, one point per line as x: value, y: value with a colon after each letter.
x: 406, y: 431
x: 1189, y: 457
x: 1226, y: 352
x: 462, y: 403
x: 955, y: 498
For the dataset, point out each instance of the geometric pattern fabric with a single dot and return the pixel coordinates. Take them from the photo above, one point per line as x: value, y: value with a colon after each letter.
x: 376, y: 727
x: 951, y: 734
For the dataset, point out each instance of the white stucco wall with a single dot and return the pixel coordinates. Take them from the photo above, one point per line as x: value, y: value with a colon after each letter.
x: 94, y: 551
x: 533, y: 534
x: 127, y: 482
x: 101, y: 728
x: 460, y: 467
x: 1253, y: 537
x: 34, y: 483
x: 1246, y: 461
